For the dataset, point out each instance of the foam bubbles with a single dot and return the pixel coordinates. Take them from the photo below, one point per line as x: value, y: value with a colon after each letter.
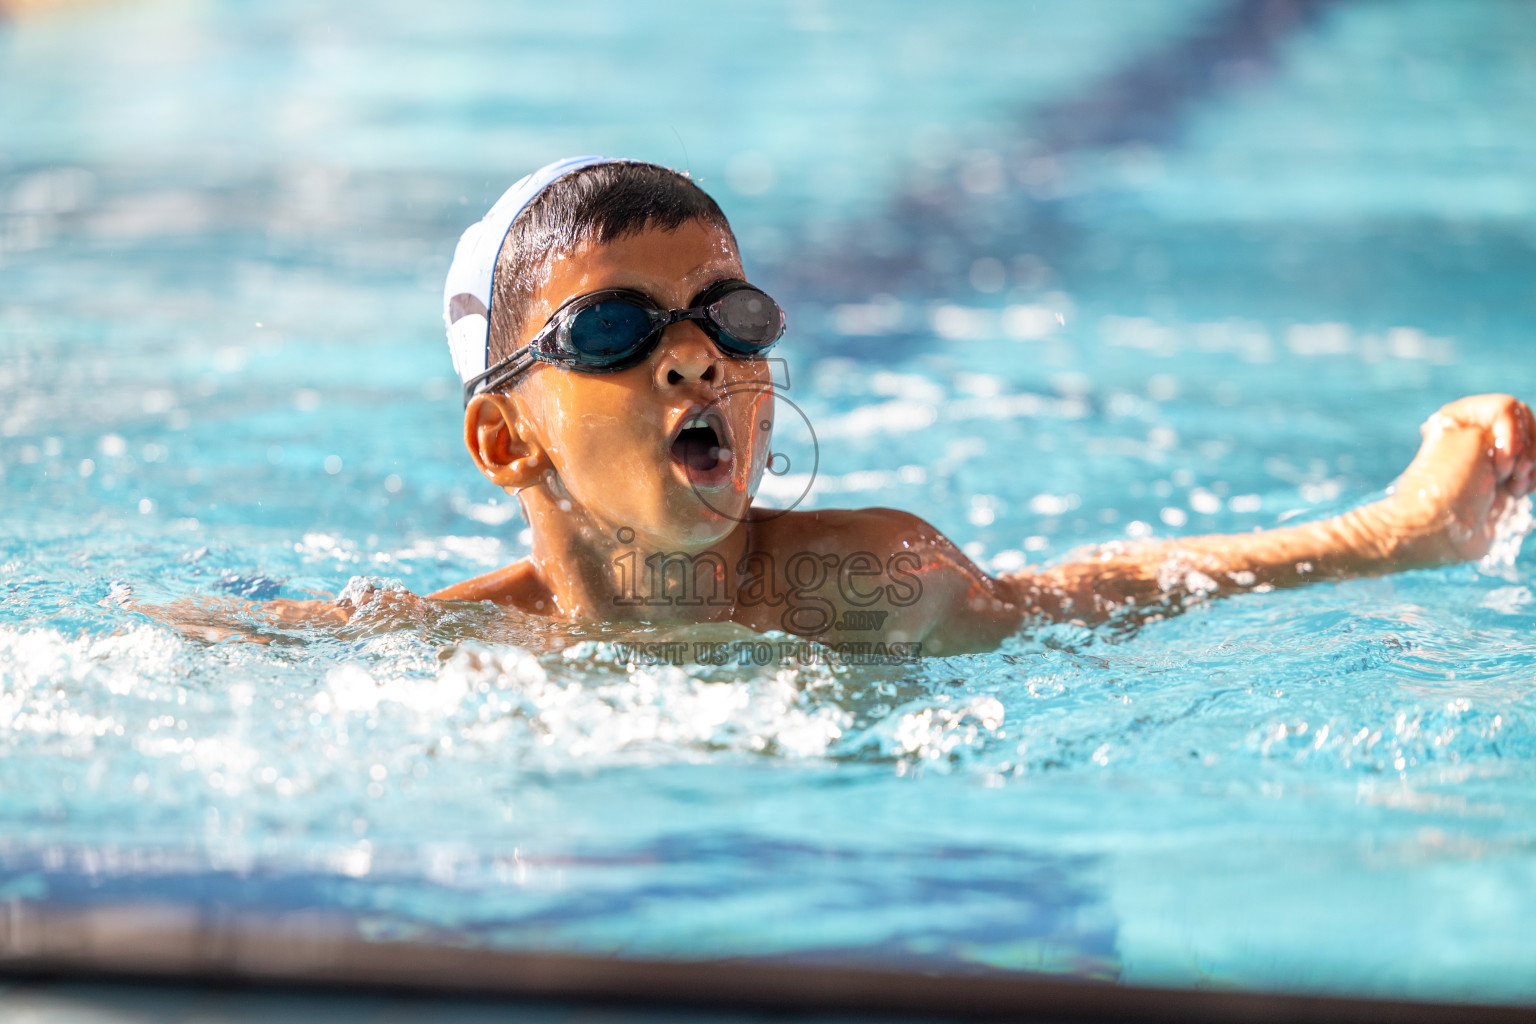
x: 599, y: 711
x: 1508, y: 534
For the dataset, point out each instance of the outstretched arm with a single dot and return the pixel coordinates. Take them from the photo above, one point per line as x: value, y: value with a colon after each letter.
x: 361, y: 609
x: 1478, y: 457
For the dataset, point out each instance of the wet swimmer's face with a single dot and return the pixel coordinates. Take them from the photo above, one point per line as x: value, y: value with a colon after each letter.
x: 672, y: 448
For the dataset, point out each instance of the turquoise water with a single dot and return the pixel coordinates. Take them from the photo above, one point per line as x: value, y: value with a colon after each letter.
x: 1056, y: 275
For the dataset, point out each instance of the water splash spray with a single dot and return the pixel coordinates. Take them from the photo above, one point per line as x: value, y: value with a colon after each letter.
x: 1508, y: 534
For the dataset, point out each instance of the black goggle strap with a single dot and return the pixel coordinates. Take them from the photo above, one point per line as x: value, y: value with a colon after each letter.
x: 502, y: 374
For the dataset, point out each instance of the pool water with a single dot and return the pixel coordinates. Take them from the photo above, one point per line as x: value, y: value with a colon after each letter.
x: 1056, y: 275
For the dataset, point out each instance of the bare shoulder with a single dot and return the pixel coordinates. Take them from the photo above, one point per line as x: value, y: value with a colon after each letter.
x: 840, y: 530
x: 875, y: 571
x: 517, y: 585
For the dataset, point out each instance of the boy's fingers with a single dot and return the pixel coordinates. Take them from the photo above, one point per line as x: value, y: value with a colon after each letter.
x: 1522, y: 448
x: 1511, y: 428
x: 1525, y: 450
x: 1514, y: 441
x: 1508, y: 428
x: 1506, y: 434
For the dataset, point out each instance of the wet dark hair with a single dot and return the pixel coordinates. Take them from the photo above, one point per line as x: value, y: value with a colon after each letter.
x: 599, y: 203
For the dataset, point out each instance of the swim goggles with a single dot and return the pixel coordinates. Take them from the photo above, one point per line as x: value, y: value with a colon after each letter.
x: 614, y: 329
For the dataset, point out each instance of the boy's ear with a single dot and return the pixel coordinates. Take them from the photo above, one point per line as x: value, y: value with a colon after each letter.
x: 496, y: 436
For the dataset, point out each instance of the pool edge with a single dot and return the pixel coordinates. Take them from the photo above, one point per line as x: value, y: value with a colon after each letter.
x: 185, y: 945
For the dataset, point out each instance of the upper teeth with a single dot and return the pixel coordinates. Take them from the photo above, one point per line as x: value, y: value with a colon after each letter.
x: 697, y: 421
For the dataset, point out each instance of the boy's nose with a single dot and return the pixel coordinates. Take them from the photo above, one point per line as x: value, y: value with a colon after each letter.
x: 687, y: 357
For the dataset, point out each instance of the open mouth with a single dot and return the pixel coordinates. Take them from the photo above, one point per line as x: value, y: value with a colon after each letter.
x: 702, y: 449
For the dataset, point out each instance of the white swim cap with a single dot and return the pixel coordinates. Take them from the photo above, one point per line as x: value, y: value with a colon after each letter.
x: 467, y: 293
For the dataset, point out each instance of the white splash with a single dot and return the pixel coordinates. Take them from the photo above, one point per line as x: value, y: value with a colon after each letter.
x: 1508, y: 534
x: 648, y: 711
x: 596, y: 711
x: 932, y: 732
x: 40, y: 659
x: 43, y: 671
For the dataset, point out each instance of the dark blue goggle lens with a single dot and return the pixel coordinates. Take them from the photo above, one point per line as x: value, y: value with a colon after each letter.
x: 608, y: 332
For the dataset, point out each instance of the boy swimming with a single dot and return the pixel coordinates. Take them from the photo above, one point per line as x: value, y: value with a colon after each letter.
x: 614, y: 358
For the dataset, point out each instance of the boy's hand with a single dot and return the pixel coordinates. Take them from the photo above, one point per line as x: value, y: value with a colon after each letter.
x: 1478, y: 456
